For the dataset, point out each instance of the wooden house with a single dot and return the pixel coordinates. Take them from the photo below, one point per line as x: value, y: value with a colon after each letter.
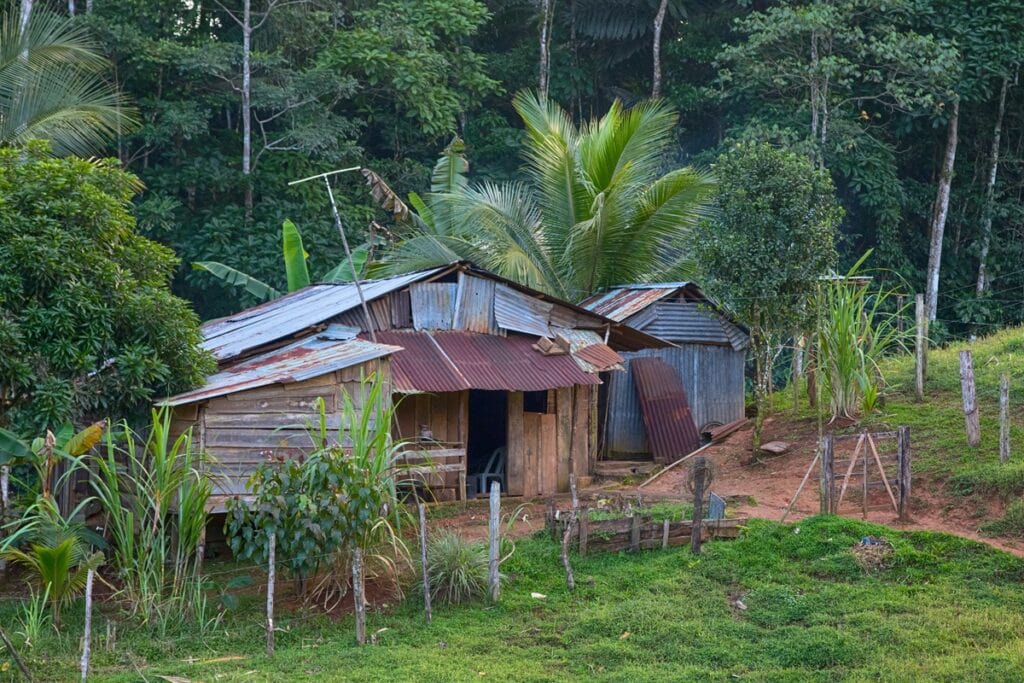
x: 708, y: 353
x: 476, y: 364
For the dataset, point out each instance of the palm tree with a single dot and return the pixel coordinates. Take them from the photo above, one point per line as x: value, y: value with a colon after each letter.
x: 594, y: 209
x: 51, y: 86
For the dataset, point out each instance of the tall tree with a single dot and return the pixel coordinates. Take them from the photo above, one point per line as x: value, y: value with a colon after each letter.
x: 990, y: 189
x: 764, y: 252
x: 594, y: 209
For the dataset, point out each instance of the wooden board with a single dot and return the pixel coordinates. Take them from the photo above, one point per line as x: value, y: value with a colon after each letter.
x: 547, y: 455
x: 515, y: 475
x: 564, y: 407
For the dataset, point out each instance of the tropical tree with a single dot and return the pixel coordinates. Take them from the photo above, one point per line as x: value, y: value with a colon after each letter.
x: 593, y: 210
x: 52, y: 85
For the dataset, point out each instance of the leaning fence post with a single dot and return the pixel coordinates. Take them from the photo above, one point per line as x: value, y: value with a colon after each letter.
x: 969, y: 398
x: 1004, y: 417
x: 87, y: 636
x: 423, y: 560
x: 903, y: 460
x: 920, y: 348
x: 271, y: 561
x: 14, y: 655
x: 699, y: 470
x: 492, y: 556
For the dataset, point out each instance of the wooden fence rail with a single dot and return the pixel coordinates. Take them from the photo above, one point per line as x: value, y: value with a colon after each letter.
x: 638, y: 532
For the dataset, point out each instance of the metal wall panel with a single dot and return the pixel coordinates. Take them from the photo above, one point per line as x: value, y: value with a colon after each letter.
x: 519, y: 312
x: 433, y: 305
x: 474, y: 305
x: 714, y: 382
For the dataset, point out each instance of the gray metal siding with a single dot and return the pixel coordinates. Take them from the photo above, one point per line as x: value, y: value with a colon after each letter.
x: 713, y: 379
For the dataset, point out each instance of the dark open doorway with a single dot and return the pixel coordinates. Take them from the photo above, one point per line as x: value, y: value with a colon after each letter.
x: 488, y: 427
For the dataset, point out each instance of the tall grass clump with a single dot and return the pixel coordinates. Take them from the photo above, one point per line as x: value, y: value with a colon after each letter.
x: 856, y: 329
x: 457, y: 568
x: 153, y: 492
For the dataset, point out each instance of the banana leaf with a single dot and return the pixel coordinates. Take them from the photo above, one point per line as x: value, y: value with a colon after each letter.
x: 294, y: 257
x: 237, y: 278
x: 343, y: 271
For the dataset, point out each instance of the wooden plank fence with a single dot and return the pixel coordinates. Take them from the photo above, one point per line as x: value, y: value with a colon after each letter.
x: 636, y: 532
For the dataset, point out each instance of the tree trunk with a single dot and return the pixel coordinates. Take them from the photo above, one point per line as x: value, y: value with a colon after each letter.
x: 26, y: 13
x: 990, y: 191
x: 940, y: 212
x: 659, y: 21
x: 247, y: 103
x: 71, y: 7
x: 547, y: 10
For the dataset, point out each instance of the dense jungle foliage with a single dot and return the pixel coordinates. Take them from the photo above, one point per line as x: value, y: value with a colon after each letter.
x: 874, y: 92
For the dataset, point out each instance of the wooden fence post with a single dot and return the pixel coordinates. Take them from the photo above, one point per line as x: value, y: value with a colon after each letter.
x: 5, y: 489
x: 664, y: 534
x: 570, y: 524
x: 903, y: 463
x: 864, y: 484
x: 423, y: 560
x: 825, y: 478
x: 969, y: 398
x: 920, y: 348
x: 634, y: 532
x: 1004, y: 417
x: 87, y: 636
x: 493, y: 579
x: 584, y: 531
x: 359, y: 594
x: 271, y: 563
x: 699, y: 470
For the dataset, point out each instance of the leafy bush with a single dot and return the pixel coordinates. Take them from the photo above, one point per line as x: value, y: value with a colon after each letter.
x: 88, y: 323
x: 457, y: 568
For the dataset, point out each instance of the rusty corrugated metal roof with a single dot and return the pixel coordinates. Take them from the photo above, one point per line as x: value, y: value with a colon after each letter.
x: 622, y: 302
x: 234, y: 335
x: 601, y: 356
x: 671, y: 431
x: 333, y: 349
x: 421, y: 366
x: 509, y: 363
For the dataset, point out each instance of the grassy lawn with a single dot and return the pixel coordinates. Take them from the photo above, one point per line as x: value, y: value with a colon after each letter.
x: 943, y: 609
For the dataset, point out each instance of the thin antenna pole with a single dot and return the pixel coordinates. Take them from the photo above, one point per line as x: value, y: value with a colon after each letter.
x: 344, y: 241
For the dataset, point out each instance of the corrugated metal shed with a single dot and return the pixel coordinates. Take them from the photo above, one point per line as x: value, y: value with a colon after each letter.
x: 712, y: 376
x: 233, y: 336
x: 509, y: 363
x: 671, y: 431
x: 333, y: 349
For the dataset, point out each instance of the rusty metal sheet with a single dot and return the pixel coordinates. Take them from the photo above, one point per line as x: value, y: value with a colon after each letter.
x: 671, y: 431
x: 433, y: 305
x: 509, y: 363
x: 421, y: 366
x: 519, y: 312
x: 601, y: 357
x: 620, y: 303
x: 233, y: 336
x: 474, y: 305
x: 333, y: 349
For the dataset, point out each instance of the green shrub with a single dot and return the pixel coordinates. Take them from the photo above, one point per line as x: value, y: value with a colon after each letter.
x: 457, y: 568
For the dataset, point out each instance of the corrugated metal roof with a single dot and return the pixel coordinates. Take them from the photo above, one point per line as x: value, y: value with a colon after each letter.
x: 694, y: 322
x: 670, y: 427
x: 333, y: 349
x: 520, y: 312
x: 601, y: 357
x: 509, y: 363
x: 421, y: 366
x: 580, y: 339
x: 623, y: 302
x: 232, y: 336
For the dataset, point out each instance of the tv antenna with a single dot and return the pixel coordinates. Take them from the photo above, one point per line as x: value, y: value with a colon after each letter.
x: 344, y: 239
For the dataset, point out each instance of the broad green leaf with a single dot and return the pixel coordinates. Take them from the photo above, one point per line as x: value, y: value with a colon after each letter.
x: 12, y: 447
x: 294, y: 257
x: 343, y: 271
x: 237, y: 278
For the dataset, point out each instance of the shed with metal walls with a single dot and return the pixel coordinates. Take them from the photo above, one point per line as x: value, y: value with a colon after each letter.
x: 708, y: 354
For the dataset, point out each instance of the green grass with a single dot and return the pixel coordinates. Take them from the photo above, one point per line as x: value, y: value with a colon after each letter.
x: 945, y: 609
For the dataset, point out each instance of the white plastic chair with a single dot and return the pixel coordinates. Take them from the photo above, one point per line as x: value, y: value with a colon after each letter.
x: 494, y: 471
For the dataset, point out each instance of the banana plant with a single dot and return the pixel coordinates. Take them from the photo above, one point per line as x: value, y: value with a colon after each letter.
x: 295, y: 268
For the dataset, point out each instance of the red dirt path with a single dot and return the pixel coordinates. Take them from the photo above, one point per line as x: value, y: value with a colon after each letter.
x: 764, y: 488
